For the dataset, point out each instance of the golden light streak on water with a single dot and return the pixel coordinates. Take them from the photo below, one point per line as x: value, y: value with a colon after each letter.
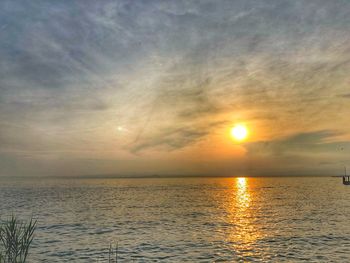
x: 242, y: 215
x: 243, y: 195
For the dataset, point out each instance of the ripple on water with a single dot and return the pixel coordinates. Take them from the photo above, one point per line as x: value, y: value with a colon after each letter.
x: 185, y: 220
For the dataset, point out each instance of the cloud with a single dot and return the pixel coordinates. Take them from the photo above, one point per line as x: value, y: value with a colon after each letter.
x: 346, y: 95
x: 171, y: 73
x: 173, y: 138
x: 323, y: 141
x: 315, y: 153
x: 170, y: 140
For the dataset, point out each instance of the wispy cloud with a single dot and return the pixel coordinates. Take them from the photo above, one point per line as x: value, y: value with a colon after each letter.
x: 171, y: 73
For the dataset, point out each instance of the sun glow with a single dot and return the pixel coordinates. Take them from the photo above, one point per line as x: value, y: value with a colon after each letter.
x: 239, y: 132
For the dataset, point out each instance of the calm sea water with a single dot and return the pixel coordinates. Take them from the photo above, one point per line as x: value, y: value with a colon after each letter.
x: 184, y: 219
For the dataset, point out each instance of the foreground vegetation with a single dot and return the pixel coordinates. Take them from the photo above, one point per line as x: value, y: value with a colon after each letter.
x: 15, y: 239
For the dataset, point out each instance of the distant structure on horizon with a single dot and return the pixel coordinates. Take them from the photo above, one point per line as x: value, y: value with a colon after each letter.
x: 346, y: 178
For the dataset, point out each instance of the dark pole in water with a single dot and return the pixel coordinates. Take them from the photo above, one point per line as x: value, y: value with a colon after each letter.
x: 116, y: 253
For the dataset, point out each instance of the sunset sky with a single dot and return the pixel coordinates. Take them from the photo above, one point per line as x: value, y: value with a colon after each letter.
x: 154, y: 87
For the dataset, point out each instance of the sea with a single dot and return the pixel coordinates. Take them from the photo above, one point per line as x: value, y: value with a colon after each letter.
x: 269, y: 219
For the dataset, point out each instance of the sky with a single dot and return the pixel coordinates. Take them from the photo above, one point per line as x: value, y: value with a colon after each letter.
x: 132, y: 88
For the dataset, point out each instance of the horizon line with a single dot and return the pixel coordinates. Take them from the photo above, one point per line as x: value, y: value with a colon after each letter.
x: 155, y: 176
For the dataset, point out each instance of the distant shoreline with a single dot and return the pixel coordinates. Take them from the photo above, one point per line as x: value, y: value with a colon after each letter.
x: 162, y: 176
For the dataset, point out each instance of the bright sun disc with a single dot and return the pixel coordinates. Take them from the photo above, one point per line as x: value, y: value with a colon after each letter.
x: 239, y: 132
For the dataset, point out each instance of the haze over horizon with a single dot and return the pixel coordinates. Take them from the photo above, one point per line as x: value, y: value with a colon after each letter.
x: 154, y: 87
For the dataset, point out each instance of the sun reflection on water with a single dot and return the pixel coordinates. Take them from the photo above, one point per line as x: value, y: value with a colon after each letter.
x: 243, y: 195
x: 243, y: 216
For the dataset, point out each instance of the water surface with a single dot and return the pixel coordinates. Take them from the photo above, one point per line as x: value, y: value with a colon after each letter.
x: 184, y: 219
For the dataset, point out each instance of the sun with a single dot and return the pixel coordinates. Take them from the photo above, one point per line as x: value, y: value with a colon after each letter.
x: 239, y: 132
